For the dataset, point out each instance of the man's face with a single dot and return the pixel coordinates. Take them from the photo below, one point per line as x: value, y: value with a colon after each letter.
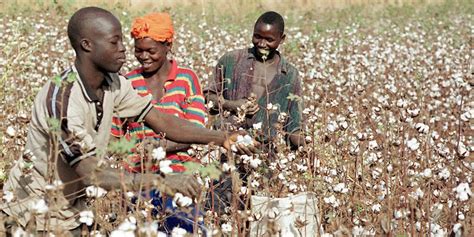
x: 107, y: 49
x: 151, y: 54
x: 266, y: 39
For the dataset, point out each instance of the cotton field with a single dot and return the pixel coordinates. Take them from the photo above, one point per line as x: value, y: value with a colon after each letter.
x: 388, y: 111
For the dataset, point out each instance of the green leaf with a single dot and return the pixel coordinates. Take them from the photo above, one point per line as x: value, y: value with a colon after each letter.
x: 210, y: 170
x: 122, y: 146
x: 57, y: 80
x: 54, y: 124
x: 71, y: 77
x: 293, y: 97
x: 191, y: 167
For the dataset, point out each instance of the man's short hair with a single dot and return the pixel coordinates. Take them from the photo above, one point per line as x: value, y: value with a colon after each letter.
x: 272, y: 18
x: 80, y: 21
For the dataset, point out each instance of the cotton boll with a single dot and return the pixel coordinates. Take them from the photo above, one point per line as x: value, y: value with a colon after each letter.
x: 158, y: 153
x: 257, y: 126
x: 255, y: 183
x: 427, y: 173
x: 362, y: 136
x: 178, y: 232
x: 463, y: 192
x: 40, y: 207
x: 457, y: 230
x: 373, y: 145
x: 401, y: 103
x: 413, y: 144
x: 255, y: 163
x: 86, y: 217
x: 332, y: 200
x: 376, y: 208
x: 413, y: 112
x: 165, y: 167
x: 181, y: 200
x: 292, y: 187
x: 462, y: 151
x: 226, y: 228
x: 8, y: 196
x: 332, y: 127
x: 444, y: 174
x: 95, y: 192
x: 11, y: 132
x: 422, y: 128
x: 341, y: 188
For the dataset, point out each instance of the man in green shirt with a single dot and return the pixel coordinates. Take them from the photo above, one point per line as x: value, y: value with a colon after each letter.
x: 255, y: 85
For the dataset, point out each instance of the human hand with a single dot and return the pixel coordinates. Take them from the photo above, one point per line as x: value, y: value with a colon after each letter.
x: 241, y: 143
x: 248, y: 106
x: 235, y: 105
x: 251, y: 105
x: 180, y: 183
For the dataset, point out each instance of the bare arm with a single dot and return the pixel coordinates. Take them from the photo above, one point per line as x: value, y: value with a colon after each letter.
x: 171, y: 146
x: 182, y: 131
x: 297, y: 139
x: 251, y: 106
x: 109, y: 178
x: 226, y: 104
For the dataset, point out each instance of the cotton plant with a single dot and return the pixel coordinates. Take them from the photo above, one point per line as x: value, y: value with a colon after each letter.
x: 126, y: 228
x: 95, y: 192
x: 413, y: 144
x: 165, y: 167
x: 158, y: 154
x: 20, y: 232
x: 463, y: 192
x: 55, y: 185
x: 244, y: 140
x: 179, y: 200
x: 86, y: 217
x: 340, y: 188
x: 178, y: 232
x: 8, y: 196
x: 40, y: 206
x: 252, y: 161
x: 226, y: 228
x: 150, y: 229
x: 405, y: 87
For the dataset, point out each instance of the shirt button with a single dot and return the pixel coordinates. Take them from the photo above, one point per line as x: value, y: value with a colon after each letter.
x: 99, y: 114
x: 98, y: 103
x: 251, y: 68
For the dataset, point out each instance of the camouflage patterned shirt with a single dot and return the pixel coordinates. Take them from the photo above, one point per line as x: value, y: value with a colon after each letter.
x: 233, y: 78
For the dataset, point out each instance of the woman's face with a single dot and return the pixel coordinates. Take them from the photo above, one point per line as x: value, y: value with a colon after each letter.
x: 151, y: 54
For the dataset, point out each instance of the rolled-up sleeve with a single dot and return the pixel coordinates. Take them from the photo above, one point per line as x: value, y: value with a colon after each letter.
x: 129, y: 104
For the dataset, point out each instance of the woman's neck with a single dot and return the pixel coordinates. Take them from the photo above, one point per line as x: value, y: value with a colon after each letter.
x: 161, y: 73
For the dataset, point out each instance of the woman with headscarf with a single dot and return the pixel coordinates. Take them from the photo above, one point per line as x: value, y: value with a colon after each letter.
x: 174, y: 90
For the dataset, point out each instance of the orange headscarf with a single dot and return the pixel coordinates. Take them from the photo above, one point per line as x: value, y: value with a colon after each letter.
x: 157, y: 26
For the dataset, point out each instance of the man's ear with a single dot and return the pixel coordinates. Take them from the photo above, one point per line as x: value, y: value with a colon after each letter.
x: 283, y: 37
x: 86, y: 45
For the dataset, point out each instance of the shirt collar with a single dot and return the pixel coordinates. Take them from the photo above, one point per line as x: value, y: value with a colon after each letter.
x: 282, y: 65
x: 86, y: 89
x: 173, y: 71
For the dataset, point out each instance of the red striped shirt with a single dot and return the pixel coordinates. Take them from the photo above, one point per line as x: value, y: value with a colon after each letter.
x: 183, y: 98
